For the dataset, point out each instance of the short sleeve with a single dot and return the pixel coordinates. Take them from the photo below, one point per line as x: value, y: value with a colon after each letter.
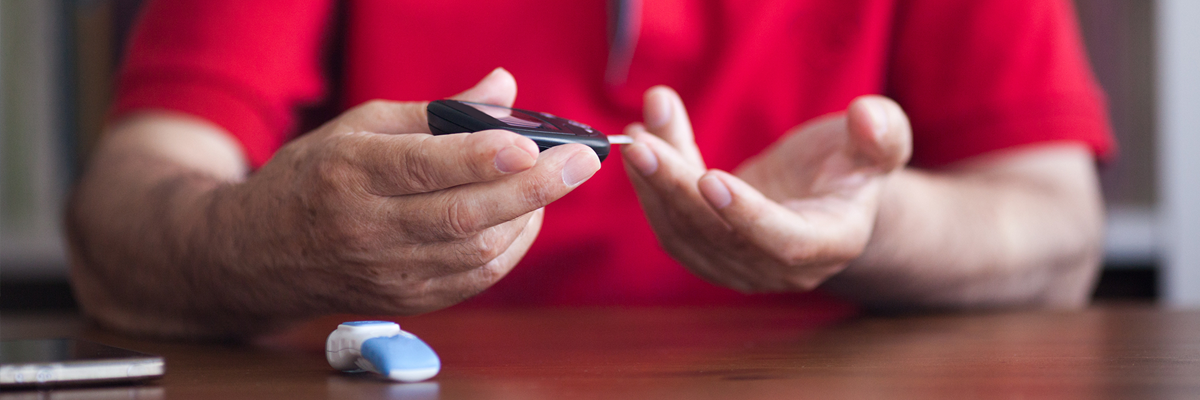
x: 243, y: 65
x: 983, y: 75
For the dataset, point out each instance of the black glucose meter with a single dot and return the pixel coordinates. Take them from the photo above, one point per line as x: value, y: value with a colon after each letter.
x: 453, y: 116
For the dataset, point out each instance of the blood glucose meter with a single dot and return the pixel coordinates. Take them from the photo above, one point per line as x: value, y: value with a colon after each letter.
x: 547, y: 130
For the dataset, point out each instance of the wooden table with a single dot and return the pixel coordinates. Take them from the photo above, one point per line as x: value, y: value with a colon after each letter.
x: 1129, y: 352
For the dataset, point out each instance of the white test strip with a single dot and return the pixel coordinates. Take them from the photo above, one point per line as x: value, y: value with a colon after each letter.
x: 620, y: 139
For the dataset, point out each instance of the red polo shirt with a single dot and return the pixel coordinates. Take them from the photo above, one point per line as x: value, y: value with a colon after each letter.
x: 974, y: 76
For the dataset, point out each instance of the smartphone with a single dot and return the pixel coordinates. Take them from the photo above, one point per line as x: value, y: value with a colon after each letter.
x: 547, y: 130
x: 50, y: 362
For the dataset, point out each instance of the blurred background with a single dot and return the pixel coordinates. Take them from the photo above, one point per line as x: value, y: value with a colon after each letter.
x: 57, y: 58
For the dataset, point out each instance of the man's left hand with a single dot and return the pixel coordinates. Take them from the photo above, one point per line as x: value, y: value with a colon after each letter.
x: 792, y: 217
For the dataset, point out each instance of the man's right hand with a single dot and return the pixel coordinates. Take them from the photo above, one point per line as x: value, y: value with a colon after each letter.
x: 368, y: 214
x: 382, y: 217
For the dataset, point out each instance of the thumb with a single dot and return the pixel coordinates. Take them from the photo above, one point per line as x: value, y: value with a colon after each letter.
x: 392, y: 117
x: 880, y: 132
x: 498, y: 88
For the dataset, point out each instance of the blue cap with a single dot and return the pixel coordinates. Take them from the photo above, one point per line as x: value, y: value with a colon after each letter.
x: 402, y: 357
x: 367, y: 323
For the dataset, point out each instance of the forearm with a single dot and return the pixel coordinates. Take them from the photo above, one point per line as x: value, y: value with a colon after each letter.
x: 145, y: 227
x: 1026, y: 231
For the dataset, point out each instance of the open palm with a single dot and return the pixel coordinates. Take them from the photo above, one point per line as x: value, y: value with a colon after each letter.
x: 792, y: 216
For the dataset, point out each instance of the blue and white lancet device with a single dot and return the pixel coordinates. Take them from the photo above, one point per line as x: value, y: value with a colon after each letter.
x: 381, y: 347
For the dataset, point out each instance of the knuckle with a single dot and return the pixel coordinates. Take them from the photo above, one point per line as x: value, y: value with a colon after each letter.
x: 481, y: 250
x: 420, y: 176
x: 333, y: 173
x: 343, y: 141
x: 335, y: 166
x: 484, y: 277
x: 538, y: 192
x: 462, y: 219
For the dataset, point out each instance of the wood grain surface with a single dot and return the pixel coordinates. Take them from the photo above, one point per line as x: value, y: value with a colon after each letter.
x: 1119, y: 352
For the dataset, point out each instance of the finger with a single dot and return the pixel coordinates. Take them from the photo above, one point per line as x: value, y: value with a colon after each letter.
x: 880, y: 131
x: 385, y: 116
x: 659, y: 162
x: 672, y: 181
x: 832, y: 234
x: 517, y: 248
x: 682, y: 242
x: 396, y: 165
x: 685, y: 226
x: 657, y: 214
x: 394, y: 117
x: 454, y: 288
x: 448, y: 258
x: 464, y: 211
x: 666, y: 117
x: 498, y: 88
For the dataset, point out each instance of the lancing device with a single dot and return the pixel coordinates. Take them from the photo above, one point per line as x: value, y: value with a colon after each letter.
x: 547, y: 130
x: 381, y: 347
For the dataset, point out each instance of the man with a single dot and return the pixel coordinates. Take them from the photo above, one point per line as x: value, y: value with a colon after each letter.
x: 198, y: 216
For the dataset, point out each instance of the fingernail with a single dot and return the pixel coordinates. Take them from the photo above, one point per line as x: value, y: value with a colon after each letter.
x: 642, y: 158
x: 579, y: 168
x: 659, y: 112
x: 513, y: 159
x: 879, y: 118
x: 715, y: 191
